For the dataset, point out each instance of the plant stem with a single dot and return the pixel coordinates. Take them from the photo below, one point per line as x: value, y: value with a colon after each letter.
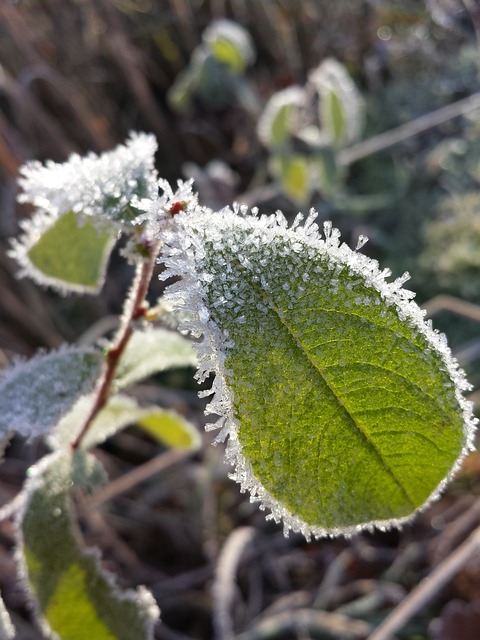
x: 394, y: 136
x: 135, y: 307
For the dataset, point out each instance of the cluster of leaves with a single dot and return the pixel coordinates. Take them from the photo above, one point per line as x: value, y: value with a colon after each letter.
x: 304, y: 127
x: 357, y: 391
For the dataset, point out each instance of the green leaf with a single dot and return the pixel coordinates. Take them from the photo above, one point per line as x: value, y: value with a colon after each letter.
x: 73, y: 597
x: 169, y: 428
x: 281, y: 117
x: 230, y: 44
x: 334, y: 117
x: 121, y: 411
x: 152, y: 351
x: 343, y: 407
x: 225, y: 51
x: 294, y: 175
x: 341, y: 106
x: 71, y: 255
x: 7, y: 630
x: 35, y: 393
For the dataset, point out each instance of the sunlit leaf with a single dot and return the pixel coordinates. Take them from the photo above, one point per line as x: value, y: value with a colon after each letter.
x: 294, y: 176
x: 73, y: 596
x: 152, y: 351
x: 341, y: 108
x: 70, y: 255
x: 281, y: 116
x: 230, y: 44
x: 344, y: 409
x: 35, y: 393
x: 169, y: 428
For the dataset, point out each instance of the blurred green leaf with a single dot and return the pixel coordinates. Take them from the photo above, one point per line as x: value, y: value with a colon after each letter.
x: 333, y: 117
x: 341, y: 107
x: 74, y: 598
x: 72, y: 255
x: 34, y: 394
x: 169, y: 428
x: 230, y: 44
x: 225, y: 51
x: 294, y: 176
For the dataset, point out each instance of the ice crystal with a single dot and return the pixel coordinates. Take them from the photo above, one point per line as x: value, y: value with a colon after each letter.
x: 156, y: 212
x: 208, y: 248
x: 94, y: 185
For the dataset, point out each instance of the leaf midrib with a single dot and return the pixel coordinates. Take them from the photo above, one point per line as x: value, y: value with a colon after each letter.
x: 318, y: 370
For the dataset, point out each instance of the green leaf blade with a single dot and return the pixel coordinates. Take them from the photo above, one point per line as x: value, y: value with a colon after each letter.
x: 342, y: 406
x: 74, y: 598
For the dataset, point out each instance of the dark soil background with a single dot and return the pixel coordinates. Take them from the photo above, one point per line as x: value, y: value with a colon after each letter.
x: 78, y: 75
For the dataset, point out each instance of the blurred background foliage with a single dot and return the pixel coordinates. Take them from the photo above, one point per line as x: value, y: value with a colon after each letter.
x: 213, y: 80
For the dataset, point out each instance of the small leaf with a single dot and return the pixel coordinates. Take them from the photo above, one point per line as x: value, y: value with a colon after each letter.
x: 35, y: 393
x: 343, y: 408
x: 294, y: 175
x: 121, y: 411
x: 341, y: 105
x: 73, y: 597
x: 152, y: 351
x: 70, y: 255
x: 169, y: 428
x: 334, y: 117
x: 281, y: 117
x: 230, y: 44
x: 7, y: 630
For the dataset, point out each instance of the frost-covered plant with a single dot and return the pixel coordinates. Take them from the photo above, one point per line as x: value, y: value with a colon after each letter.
x: 342, y: 409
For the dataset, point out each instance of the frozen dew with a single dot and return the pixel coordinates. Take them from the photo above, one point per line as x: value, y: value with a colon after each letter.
x: 94, y: 185
x: 362, y: 240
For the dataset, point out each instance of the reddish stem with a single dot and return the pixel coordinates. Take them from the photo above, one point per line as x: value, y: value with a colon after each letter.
x: 134, y: 310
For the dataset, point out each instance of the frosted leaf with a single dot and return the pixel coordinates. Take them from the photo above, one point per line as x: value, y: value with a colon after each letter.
x: 35, y: 393
x: 94, y: 185
x: 343, y: 409
x: 66, y: 582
